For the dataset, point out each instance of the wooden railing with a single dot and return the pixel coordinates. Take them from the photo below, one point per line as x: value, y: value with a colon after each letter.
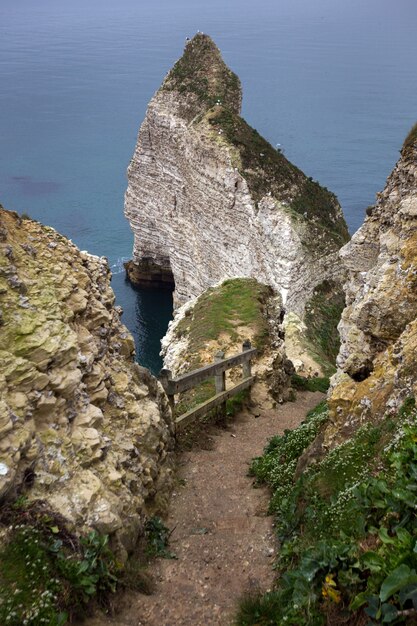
x: 217, y: 370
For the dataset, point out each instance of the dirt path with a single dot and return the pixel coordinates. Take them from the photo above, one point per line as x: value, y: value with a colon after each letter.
x: 223, y: 537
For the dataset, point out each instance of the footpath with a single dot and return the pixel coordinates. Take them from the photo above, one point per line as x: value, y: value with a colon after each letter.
x: 223, y: 537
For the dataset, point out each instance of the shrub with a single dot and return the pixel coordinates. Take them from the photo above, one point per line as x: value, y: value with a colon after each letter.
x: 46, y: 573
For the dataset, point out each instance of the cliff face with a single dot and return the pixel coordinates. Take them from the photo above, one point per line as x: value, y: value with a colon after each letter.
x: 377, y: 359
x: 81, y: 425
x: 209, y: 199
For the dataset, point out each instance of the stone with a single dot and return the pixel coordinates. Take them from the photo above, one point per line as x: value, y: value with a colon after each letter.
x: 57, y: 364
x: 90, y: 416
x: 377, y: 367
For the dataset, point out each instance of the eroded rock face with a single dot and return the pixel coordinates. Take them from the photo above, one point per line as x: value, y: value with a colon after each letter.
x: 81, y: 424
x: 377, y: 360
x: 209, y: 199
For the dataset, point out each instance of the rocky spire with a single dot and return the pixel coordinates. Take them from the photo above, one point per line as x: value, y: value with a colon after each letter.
x: 208, y: 198
x: 202, y: 79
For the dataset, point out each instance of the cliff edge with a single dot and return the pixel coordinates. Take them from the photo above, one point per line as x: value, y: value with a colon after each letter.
x: 377, y: 365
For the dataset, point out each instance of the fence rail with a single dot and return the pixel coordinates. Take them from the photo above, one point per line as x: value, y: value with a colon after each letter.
x: 217, y: 370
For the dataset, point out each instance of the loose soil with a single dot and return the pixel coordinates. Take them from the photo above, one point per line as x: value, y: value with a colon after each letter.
x: 223, y: 536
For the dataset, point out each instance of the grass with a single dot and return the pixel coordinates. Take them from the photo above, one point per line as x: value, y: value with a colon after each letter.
x: 310, y: 384
x: 236, y: 403
x: 236, y: 302
x: 192, y: 398
x: 410, y: 142
x: 322, y: 315
x: 217, y: 315
x: 47, y: 574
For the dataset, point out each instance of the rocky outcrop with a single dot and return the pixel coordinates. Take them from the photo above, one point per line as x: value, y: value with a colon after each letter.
x: 377, y: 360
x: 208, y: 198
x: 220, y: 320
x: 81, y: 425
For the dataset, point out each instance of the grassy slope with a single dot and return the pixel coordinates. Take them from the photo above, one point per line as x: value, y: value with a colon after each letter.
x: 202, y: 73
x: 219, y: 312
x: 347, y: 525
x: 410, y: 141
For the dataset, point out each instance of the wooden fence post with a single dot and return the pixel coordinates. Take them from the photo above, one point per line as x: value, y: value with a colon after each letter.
x: 246, y: 366
x: 165, y: 378
x: 220, y: 379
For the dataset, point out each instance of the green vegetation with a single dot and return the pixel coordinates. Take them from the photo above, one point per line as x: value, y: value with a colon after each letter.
x: 347, y: 526
x: 157, y: 539
x: 310, y: 384
x: 194, y: 397
x: 236, y: 403
x: 47, y: 574
x: 220, y: 310
x: 267, y: 170
x: 217, y: 315
x: 201, y: 71
x: 410, y: 141
x: 322, y: 315
x: 278, y: 464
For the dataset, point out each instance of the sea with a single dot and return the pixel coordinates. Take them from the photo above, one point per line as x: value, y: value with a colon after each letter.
x: 333, y: 83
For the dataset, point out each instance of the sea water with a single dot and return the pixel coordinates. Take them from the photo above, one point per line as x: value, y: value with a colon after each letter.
x: 332, y: 83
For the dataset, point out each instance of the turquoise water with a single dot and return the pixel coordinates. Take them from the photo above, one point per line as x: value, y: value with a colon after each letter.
x: 333, y: 82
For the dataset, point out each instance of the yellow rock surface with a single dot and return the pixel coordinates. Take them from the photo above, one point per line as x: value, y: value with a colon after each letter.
x: 76, y: 412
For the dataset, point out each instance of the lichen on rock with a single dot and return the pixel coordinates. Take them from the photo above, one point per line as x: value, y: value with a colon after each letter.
x: 82, y: 425
x: 377, y: 367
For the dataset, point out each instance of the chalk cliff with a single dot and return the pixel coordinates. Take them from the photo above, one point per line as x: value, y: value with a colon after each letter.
x: 377, y: 360
x: 81, y: 425
x: 209, y: 199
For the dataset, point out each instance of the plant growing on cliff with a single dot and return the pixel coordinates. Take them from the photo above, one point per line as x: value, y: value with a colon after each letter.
x: 310, y: 384
x: 266, y: 170
x: 236, y: 302
x: 322, y: 315
x: 46, y: 573
x: 219, y: 313
x: 410, y: 141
